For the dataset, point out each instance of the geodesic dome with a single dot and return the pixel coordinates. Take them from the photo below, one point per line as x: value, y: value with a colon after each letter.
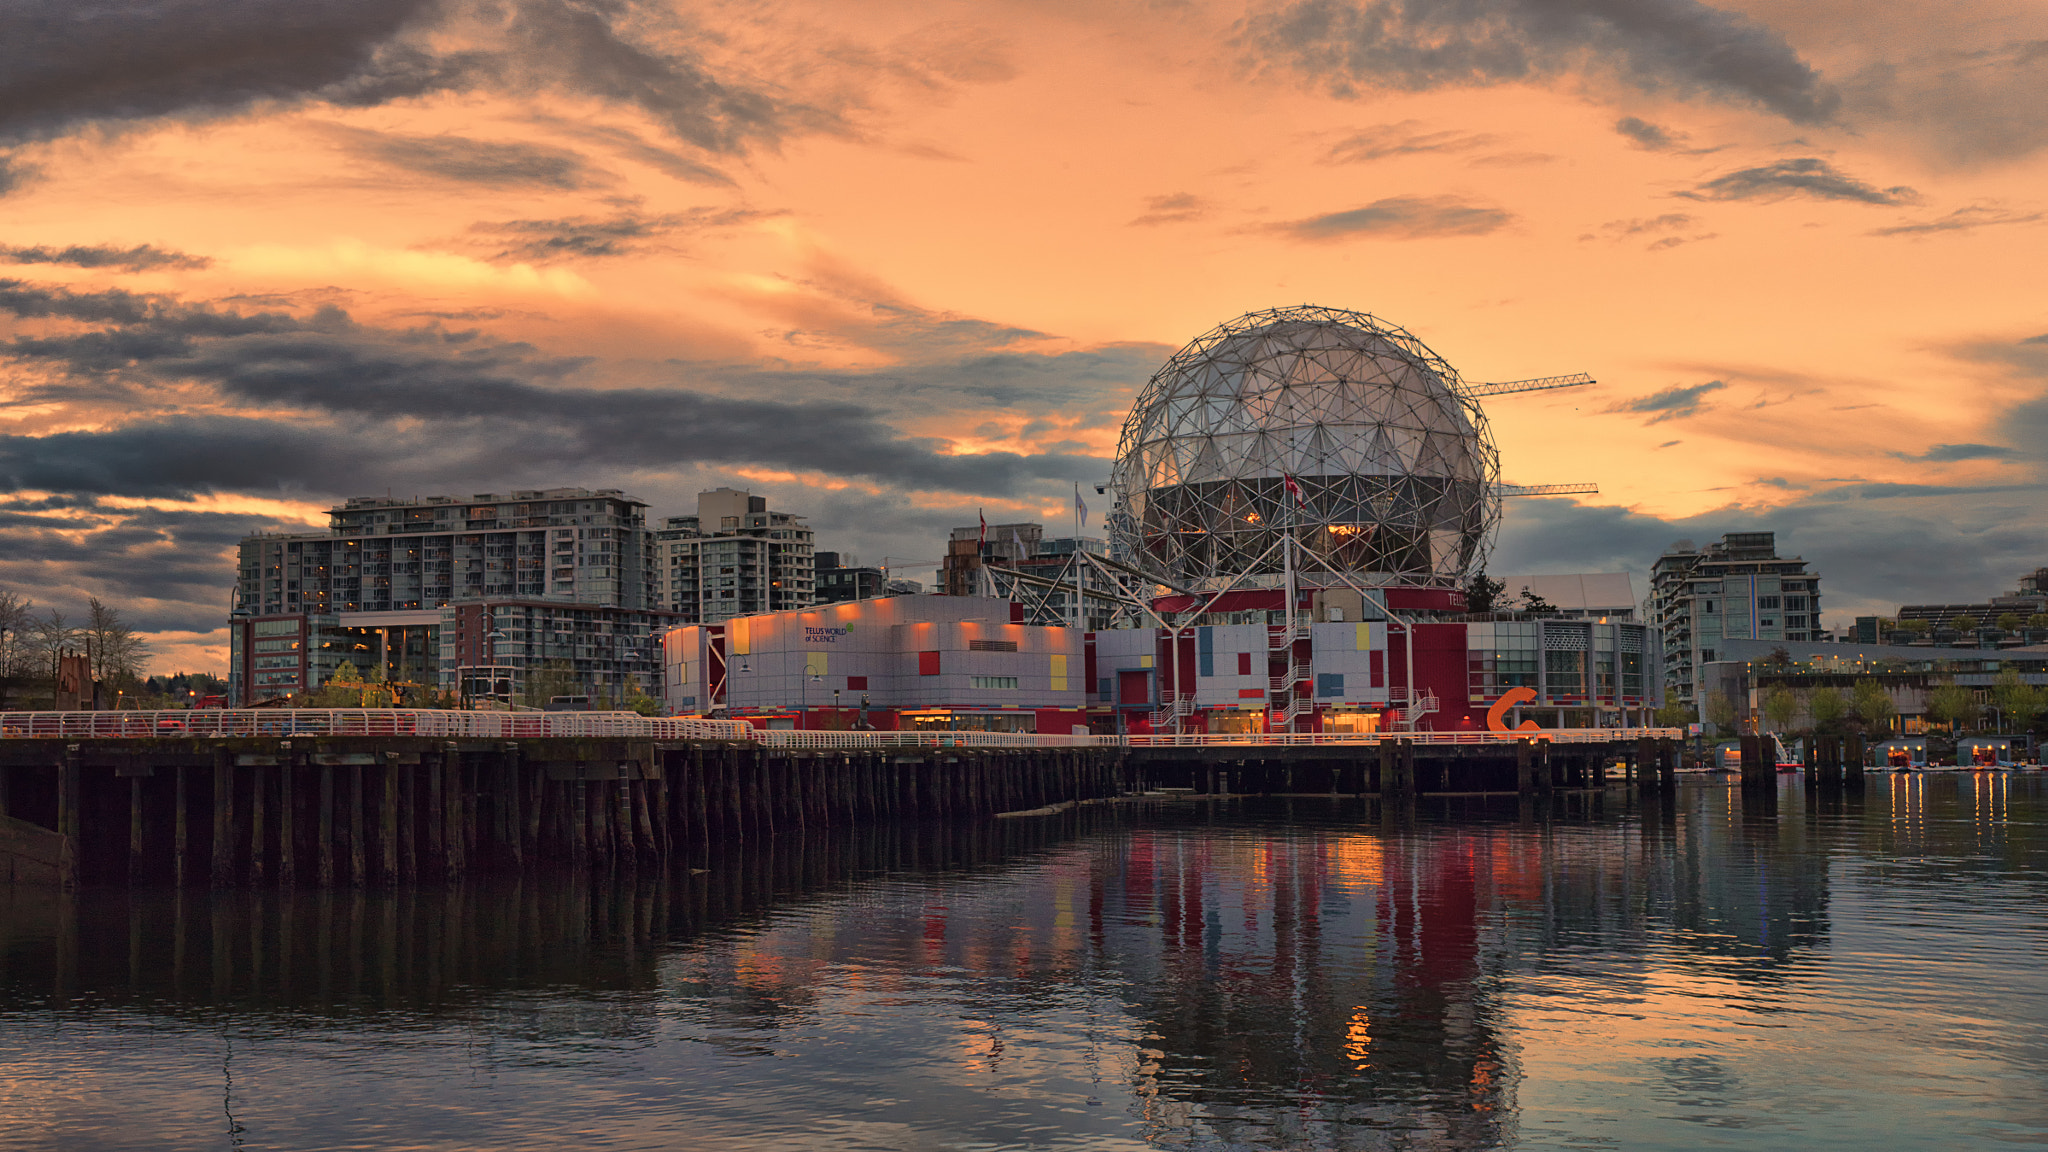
x: 1396, y: 469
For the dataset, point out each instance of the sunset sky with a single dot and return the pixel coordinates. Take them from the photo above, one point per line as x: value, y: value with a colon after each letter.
x: 888, y: 263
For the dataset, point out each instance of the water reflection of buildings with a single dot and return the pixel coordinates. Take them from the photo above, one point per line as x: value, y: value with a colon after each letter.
x: 1342, y: 983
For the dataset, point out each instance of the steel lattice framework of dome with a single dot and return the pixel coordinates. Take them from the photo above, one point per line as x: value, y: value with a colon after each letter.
x: 1398, y: 476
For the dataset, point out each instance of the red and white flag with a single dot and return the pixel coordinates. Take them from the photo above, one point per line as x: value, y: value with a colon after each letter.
x: 984, y: 526
x: 1294, y: 490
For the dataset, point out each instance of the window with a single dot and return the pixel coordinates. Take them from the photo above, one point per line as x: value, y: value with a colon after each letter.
x: 1795, y: 621
x: 1329, y: 684
x: 996, y: 682
x: 1767, y: 603
x: 1707, y: 606
x: 991, y: 645
x: 1795, y: 603
x: 1565, y: 673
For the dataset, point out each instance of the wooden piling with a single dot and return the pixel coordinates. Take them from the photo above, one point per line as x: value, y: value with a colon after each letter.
x: 223, y: 816
x: 387, y: 825
x: 505, y: 802
x: 579, y: 821
x: 408, y: 822
x: 181, y: 833
x: 325, y: 847
x: 134, y: 830
x: 257, y: 843
x: 287, y: 823
x: 436, y: 818
x: 358, y: 864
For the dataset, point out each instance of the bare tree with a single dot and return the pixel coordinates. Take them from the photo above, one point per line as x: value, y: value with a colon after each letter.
x: 114, y: 650
x: 53, y: 637
x: 18, y: 656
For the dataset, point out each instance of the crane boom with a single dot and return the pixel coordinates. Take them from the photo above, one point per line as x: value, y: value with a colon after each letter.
x: 1539, y: 384
x: 1587, y: 489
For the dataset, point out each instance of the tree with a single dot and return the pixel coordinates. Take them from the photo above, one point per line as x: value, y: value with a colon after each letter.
x: 17, y: 643
x: 1480, y: 593
x: 637, y: 699
x: 52, y: 638
x: 2038, y: 620
x: 114, y: 650
x: 1827, y: 707
x: 1720, y: 711
x: 2010, y: 622
x: 2018, y: 701
x: 1964, y: 623
x: 1781, y: 705
x: 1780, y: 657
x: 1536, y: 605
x: 1872, y: 704
x: 1676, y: 714
x: 1951, y: 704
x: 553, y: 678
x: 1914, y: 626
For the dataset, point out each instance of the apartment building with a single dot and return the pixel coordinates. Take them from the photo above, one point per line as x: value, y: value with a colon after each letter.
x: 371, y: 590
x: 1737, y: 588
x: 735, y: 557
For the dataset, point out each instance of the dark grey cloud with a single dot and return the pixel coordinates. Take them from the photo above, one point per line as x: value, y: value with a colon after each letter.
x: 65, y: 65
x: 498, y: 163
x: 1948, y: 453
x: 1647, y: 136
x: 1807, y: 176
x: 1674, y: 403
x: 1678, y: 47
x: 1401, y: 218
x: 576, y: 237
x: 1177, y: 208
x: 2041, y: 339
x: 1407, y: 138
x: 322, y: 398
x: 140, y: 258
x: 1963, y: 220
x: 167, y: 569
x: 1874, y: 551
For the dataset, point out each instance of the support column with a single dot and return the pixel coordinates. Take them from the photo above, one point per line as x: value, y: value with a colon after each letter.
x: 256, y: 822
x: 325, y: 851
x: 181, y: 833
x: 387, y: 825
x: 358, y: 862
x: 287, y: 821
x: 134, y: 830
x: 223, y: 816
x: 69, y: 793
x: 510, y: 824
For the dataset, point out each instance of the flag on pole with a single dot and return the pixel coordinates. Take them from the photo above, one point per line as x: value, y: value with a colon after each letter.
x: 983, y: 538
x: 1080, y: 507
x: 1017, y: 542
x: 1294, y: 490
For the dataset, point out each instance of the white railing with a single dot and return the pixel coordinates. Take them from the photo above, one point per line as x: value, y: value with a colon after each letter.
x: 1296, y: 673
x: 226, y: 723
x: 786, y: 738
x: 1280, y: 638
x: 214, y: 723
x: 1554, y: 735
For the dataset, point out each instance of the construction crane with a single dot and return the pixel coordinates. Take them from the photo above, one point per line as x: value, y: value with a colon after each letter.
x: 1587, y: 489
x: 1539, y: 384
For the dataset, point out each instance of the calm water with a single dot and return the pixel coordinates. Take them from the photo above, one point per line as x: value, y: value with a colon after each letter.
x: 1716, y: 974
